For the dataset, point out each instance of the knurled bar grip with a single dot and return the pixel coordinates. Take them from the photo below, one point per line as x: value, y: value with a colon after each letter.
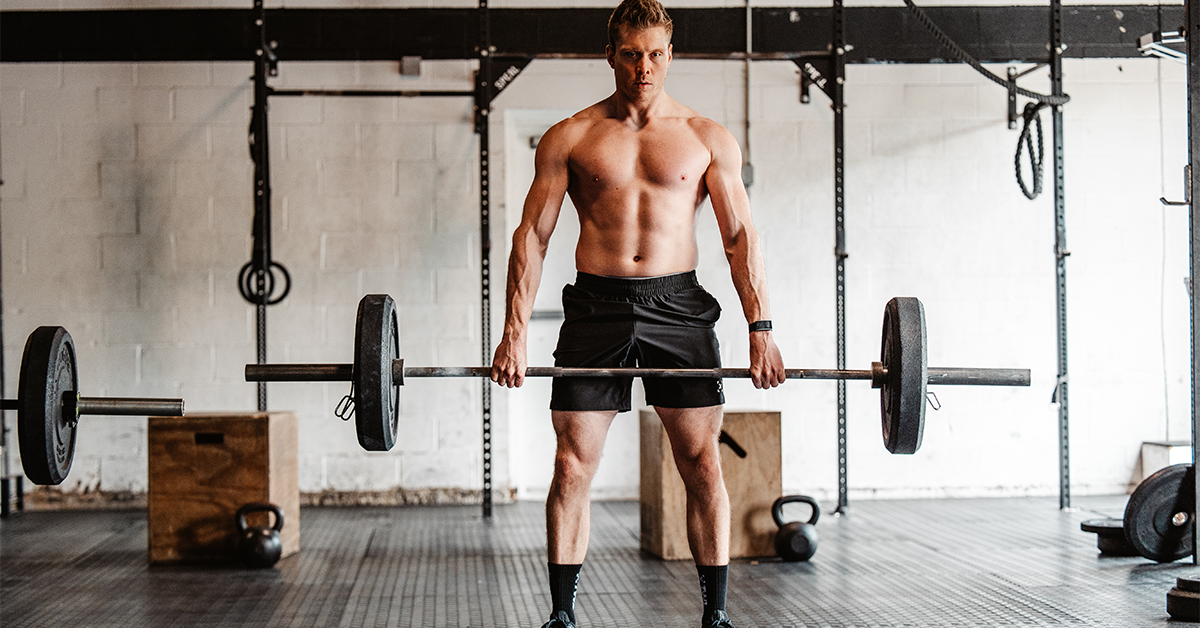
x: 398, y: 368
x: 344, y: 373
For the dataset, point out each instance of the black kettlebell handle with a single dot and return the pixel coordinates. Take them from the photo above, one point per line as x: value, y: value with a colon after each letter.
x: 777, y: 508
x: 259, y: 507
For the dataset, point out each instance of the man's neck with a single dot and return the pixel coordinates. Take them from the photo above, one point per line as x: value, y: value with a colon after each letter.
x: 638, y: 114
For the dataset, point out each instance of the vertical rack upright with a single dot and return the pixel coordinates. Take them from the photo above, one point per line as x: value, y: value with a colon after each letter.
x: 1192, y: 39
x: 1060, y: 255
x: 483, y: 104
x: 836, y: 93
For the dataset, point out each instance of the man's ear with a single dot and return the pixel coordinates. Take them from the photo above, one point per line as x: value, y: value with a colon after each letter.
x: 608, y: 54
x: 670, y: 50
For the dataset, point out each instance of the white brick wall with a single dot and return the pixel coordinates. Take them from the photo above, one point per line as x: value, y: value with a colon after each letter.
x: 126, y: 215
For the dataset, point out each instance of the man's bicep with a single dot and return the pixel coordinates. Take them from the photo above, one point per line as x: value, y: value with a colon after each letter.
x: 726, y: 192
x: 550, y: 180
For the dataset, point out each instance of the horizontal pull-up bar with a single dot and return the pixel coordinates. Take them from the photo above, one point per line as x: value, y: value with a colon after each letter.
x: 407, y: 93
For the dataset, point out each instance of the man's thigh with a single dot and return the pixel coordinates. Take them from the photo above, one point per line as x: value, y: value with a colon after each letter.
x: 692, y: 431
x: 582, y: 434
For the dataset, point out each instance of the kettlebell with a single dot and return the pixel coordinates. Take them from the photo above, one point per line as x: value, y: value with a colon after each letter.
x: 259, y: 547
x: 796, y: 540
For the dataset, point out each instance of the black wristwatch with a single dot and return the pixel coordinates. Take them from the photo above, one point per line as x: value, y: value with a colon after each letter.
x: 760, y: 326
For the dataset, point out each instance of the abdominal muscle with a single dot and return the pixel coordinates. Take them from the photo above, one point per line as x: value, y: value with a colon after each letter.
x: 646, y: 236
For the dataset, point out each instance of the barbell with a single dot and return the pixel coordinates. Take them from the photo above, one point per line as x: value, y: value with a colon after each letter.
x: 377, y: 373
x: 48, y: 405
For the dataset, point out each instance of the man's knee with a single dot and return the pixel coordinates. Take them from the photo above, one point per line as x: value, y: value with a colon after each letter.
x: 701, y: 472
x: 571, y: 468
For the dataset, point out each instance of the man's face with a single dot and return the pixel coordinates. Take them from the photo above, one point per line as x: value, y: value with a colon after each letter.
x: 640, y: 61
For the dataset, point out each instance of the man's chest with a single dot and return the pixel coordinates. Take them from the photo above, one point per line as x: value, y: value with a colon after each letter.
x: 669, y: 156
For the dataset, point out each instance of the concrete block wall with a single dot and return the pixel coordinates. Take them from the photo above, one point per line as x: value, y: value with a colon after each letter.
x: 126, y: 216
x: 126, y: 206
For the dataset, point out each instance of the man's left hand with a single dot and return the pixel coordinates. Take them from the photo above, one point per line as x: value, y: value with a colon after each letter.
x: 766, y: 363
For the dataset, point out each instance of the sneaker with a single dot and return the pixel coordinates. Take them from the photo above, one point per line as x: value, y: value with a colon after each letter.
x: 719, y: 620
x: 561, y: 620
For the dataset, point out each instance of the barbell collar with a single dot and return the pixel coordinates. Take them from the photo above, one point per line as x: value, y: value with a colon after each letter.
x: 132, y: 406
x: 299, y: 372
x: 959, y: 376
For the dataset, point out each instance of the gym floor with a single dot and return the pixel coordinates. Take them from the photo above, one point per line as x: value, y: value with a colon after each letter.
x: 976, y: 562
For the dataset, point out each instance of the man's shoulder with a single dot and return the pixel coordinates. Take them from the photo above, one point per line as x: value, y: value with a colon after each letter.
x: 597, y: 111
x: 580, y: 122
x: 567, y: 132
x: 709, y: 131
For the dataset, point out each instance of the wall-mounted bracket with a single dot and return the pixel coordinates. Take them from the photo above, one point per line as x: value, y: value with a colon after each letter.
x: 495, y: 73
x: 504, y: 71
x: 1160, y: 45
x: 1187, y: 190
x: 1013, y: 75
x: 815, y: 71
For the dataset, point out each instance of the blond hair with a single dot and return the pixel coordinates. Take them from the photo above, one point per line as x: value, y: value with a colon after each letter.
x: 639, y: 14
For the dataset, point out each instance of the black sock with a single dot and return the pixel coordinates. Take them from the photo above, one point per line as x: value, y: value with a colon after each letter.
x: 712, y: 587
x: 564, y: 579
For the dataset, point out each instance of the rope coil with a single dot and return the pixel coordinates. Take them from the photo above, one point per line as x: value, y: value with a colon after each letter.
x: 1025, y: 141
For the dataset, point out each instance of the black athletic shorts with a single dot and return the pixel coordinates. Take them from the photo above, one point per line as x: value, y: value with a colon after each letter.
x: 655, y: 322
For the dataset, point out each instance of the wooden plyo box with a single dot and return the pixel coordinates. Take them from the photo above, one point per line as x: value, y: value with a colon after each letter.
x: 753, y: 483
x: 203, y: 467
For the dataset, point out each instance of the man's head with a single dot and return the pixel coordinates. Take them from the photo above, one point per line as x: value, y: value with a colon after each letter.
x: 640, y: 15
x: 639, y: 49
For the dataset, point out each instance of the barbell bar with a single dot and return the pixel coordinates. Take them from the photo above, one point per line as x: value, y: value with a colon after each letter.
x: 378, y: 372
x: 49, y: 405
x: 326, y: 372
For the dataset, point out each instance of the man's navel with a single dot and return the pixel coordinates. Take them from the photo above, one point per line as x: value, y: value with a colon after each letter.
x: 637, y: 258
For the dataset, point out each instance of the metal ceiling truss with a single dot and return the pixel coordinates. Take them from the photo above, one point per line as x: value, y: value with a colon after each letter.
x: 876, y: 34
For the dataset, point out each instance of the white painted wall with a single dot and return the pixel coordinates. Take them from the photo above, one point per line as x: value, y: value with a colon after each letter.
x: 126, y: 211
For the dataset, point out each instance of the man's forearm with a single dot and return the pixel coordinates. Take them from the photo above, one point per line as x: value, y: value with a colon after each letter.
x: 524, y: 276
x: 749, y: 276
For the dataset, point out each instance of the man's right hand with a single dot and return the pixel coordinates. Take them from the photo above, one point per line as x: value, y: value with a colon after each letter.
x: 508, y: 365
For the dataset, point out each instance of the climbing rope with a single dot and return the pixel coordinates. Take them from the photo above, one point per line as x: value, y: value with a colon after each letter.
x: 965, y: 57
x: 1025, y: 143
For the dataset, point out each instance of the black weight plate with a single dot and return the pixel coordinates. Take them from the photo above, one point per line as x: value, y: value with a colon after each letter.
x: 1151, y: 524
x: 47, y: 437
x: 1183, y: 605
x: 1184, y: 583
x: 1106, y: 526
x: 1115, y: 546
x: 1110, y: 536
x: 902, y: 396
x: 377, y: 399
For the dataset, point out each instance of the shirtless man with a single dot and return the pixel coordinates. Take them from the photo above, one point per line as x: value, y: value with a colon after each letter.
x: 638, y: 165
